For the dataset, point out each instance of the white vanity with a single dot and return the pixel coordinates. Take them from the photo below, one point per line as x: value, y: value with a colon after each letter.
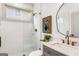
x: 59, y: 49
x: 49, y: 50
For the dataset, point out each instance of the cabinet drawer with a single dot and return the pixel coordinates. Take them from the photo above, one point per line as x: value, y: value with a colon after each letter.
x: 45, y: 54
x: 51, y: 52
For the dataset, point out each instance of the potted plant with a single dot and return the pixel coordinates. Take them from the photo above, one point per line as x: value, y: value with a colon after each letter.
x: 47, y: 38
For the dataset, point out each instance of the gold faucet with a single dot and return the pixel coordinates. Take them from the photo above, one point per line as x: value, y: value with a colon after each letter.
x: 67, y: 37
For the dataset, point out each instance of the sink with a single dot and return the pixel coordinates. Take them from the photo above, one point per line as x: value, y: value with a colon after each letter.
x: 64, y: 46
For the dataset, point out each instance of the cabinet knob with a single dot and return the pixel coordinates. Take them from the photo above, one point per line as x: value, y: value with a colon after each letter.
x: 48, y: 52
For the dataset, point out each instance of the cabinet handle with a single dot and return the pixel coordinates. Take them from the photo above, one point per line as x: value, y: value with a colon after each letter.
x: 0, y: 41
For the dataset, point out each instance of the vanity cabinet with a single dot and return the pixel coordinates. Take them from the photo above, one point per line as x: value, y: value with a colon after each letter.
x: 47, y: 51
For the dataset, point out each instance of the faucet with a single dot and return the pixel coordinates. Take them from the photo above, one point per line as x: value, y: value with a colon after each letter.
x: 67, y: 37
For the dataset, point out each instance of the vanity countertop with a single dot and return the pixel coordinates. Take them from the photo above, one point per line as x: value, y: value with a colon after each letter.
x: 63, y: 48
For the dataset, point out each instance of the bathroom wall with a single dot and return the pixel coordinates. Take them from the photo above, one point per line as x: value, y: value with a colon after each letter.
x: 14, y: 40
x: 37, y: 23
x: 37, y: 33
x: 49, y: 9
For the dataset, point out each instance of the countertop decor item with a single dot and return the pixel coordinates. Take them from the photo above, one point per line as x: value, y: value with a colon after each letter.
x: 47, y: 38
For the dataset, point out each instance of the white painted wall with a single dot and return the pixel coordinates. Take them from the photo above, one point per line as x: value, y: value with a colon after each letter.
x: 37, y: 8
x: 37, y: 18
x: 37, y: 24
x: 49, y: 9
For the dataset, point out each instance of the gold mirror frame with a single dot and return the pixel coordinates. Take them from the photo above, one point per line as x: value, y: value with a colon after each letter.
x: 57, y: 20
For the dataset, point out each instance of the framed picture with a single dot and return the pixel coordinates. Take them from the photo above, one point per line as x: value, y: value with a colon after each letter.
x: 47, y: 24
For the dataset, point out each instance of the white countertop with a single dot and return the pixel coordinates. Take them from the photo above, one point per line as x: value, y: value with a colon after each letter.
x: 63, y: 48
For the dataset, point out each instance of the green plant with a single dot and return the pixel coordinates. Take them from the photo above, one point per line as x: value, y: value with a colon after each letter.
x: 47, y: 37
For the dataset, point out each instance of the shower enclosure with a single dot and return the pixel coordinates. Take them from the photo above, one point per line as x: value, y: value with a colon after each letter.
x: 16, y: 29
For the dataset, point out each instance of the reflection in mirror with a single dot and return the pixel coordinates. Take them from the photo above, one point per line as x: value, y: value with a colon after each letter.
x: 68, y: 19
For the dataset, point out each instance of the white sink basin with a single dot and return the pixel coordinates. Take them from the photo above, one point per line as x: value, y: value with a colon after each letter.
x: 64, y: 46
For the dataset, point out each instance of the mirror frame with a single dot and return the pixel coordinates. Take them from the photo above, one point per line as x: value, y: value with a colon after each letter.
x: 57, y: 18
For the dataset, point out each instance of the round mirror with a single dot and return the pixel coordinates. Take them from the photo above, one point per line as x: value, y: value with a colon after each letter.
x: 67, y: 18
